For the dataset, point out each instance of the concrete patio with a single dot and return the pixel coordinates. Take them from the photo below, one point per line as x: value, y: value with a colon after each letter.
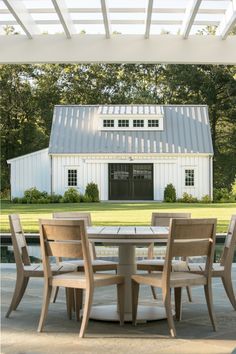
x: 194, y: 332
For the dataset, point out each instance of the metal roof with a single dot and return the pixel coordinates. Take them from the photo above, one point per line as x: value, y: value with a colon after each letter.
x: 75, y: 130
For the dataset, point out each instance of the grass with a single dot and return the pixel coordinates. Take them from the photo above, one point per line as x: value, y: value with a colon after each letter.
x: 115, y: 213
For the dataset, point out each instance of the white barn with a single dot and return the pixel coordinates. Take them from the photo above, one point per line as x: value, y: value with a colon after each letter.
x: 131, y: 151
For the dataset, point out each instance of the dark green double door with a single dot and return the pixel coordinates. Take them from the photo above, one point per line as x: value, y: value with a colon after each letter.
x: 130, y: 181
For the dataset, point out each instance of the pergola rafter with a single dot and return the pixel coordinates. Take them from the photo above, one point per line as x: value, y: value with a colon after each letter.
x: 64, y: 17
x: 106, y: 18
x: 22, y: 17
x: 148, y: 18
x: 228, y: 21
x: 190, y: 15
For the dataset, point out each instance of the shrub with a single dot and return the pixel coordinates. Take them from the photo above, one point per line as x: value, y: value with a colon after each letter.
x: 33, y: 195
x: 206, y: 199
x: 55, y: 198
x: 16, y: 200
x: 233, y: 188
x: 188, y: 198
x: 221, y: 195
x: 5, y: 194
x: 92, y: 192
x: 170, y: 193
x: 85, y: 199
x: 42, y: 201
x: 71, y: 196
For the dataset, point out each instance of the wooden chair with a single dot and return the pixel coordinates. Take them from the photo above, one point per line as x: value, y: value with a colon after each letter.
x: 151, y: 264
x: 187, y: 237
x: 68, y: 238
x: 223, y: 269
x: 24, y: 269
x: 97, y: 264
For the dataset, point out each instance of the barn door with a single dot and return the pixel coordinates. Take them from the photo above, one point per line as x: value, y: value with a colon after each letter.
x: 130, y: 181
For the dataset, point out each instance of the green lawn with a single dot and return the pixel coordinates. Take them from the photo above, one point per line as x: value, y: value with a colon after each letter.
x: 115, y: 213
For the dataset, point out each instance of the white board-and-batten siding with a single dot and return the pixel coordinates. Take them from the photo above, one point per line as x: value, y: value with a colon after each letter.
x: 167, y: 169
x: 31, y: 170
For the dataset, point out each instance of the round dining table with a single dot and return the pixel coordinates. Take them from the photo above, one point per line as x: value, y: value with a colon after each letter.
x: 127, y: 238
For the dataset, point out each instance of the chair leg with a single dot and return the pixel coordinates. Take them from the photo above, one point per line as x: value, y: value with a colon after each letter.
x: 178, y: 303
x: 154, y: 294
x: 167, y: 304
x: 121, y: 301
x: 69, y: 301
x: 87, y: 308
x: 153, y: 289
x: 227, y: 282
x: 46, y: 301
x: 208, y: 295
x: 78, y: 302
x: 135, y: 292
x: 21, y: 292
x: 20, y: 286
x: 189, y: 293
x: 55, y: 290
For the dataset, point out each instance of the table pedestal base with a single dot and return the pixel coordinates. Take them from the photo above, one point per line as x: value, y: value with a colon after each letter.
x: 109, y: 313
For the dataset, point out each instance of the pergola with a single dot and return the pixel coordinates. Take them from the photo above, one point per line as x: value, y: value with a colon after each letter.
x: 148, y: 31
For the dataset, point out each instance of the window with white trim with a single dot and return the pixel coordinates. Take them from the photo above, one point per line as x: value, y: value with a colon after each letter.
x: 132, y: 122
x: 189, y: 178
x: 123, y: 123
x: 153, y: 123
x: 108, y: 123
x: 138, y: 123
x: 72, y: 177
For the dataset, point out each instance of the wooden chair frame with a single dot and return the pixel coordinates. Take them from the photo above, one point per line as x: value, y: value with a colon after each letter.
x: 68, y: 238
x: 187, y: 237
x: 24, y: 269
x: 97, y: 264
x: 160, y: 219
x: 223, y: 270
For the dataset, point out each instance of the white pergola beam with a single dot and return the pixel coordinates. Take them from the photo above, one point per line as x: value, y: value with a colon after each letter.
x: 22, y: 17
x: 190, y: 14
x: 229, y: 20
x: 82, y: 48
x: 148, y: 18
x: 106, y: 18
x: 163, y: 10
x: 116, y: 22
x: 64, y: 17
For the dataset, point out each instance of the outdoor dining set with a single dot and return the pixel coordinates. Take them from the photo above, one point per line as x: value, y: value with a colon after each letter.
x: 69, y: 260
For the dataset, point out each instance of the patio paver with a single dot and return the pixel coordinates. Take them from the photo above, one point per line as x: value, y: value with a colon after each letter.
x: 195, y: 335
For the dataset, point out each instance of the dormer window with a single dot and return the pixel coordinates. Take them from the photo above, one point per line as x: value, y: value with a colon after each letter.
x: 153, y: 123
x: 126, y: 122
x: 138, y: 123
x: 123, y: 123
x: 108, y: 123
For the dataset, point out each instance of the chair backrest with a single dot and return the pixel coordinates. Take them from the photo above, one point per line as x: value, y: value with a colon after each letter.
x: 163, y: 219
x: 18, y: 242
x: 74, y: 215
x: 64, y: 238
x: 78, y: 216
x: 229, y: 246
x: 190, y: 238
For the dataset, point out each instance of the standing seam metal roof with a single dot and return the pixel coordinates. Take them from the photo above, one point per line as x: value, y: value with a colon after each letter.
x: 75, y: 129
